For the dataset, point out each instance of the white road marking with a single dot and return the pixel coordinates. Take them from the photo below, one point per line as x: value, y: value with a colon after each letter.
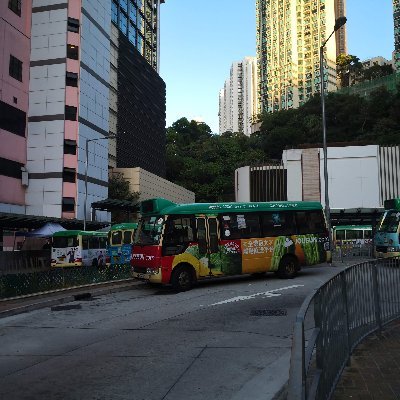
x: 270, y: 293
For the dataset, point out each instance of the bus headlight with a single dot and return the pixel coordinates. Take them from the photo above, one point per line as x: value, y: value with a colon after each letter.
x: 393, y: 249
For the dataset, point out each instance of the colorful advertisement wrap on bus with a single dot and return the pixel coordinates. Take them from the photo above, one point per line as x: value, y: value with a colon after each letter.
x: 388, y: 231
x: 229, y: 239
x: 120, y: 240
x: 78, y: 248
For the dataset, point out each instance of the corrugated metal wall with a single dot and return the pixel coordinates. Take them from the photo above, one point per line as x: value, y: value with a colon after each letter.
x: 389, y: 172
x: 268, y: 183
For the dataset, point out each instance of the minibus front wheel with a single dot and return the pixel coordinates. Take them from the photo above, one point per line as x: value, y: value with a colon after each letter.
x: 182, y: 278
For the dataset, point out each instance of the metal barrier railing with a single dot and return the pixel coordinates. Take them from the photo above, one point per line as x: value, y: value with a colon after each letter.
x: 12, y: 285
x: 348, y: 251
x: 334, y: 319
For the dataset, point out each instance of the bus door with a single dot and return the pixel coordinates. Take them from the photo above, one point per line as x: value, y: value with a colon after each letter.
x: 208, y: 240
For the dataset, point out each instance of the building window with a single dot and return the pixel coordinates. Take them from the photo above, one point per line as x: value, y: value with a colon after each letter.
x: 123, y: 23
x: 71, y: 79
x: 132, y: 34
x: 140, y: 23
x: 68, y: 204
x: 15, y: 6
x: 15, y: 68
x: 124, y: 5
x: 69, y: 146
x: 114, y: 13
x: 69, y: 175
x: 73, y: 25
x: 70, y: 113
x: 132, y: 12
x: 72, y: 52
x: 12, y: 119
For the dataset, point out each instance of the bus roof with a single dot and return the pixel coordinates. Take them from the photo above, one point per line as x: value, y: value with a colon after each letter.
x: 392, y: 204
x: 218, y: 208
x: 352, y: 227
x: 124, y: 225
x: 77, y: 232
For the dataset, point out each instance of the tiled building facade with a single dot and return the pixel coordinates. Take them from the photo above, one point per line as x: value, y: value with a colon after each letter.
x: 68, y: 96
x: 289, y: 36
x: 396, y: 20
x: 15, y: 31
x: 238, y: 98
x: 66, y: 66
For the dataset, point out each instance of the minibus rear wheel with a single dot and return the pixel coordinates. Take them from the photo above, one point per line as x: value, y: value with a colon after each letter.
x: 288, y: 267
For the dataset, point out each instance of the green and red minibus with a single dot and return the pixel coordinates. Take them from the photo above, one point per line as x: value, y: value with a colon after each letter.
x: 179, y: 244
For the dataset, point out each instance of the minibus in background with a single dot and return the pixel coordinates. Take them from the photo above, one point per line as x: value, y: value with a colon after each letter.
x: 386, y: 239
x: 120, y: 239
x: 352, y: 235
x: 76, y: 248
x: 180, y: 244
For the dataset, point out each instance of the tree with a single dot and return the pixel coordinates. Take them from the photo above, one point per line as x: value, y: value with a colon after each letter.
x: 205, y: 163
x: 377, y: 71
x: 118, y: 188
x: 348, y: 69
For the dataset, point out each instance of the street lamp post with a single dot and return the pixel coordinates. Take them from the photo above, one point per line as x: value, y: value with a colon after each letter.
x: 86, y: 172
x: 338, y: 24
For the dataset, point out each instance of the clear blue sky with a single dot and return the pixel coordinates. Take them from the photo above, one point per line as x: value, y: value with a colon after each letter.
x: 201, y: 38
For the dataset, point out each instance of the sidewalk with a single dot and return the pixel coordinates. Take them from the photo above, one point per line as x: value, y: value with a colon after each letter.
x: 36, y: 301
x: 374, y: 373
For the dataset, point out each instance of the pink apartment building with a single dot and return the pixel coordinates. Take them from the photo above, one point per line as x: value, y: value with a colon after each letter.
x: 15, y: 30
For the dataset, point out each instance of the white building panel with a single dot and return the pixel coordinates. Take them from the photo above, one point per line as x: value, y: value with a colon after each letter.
x: 242, y: 183
x: 353, y: 177
x: 53, y: 165
x: 54, y: 139
x: 43, y: 3
x: 54, y: 152
x: 292, y: 162
x: 52, y: 185
x: 34, y: 209
x: 35, y: 185
x: 34, y: 197
x: 34, y: 167
x: 52, y: 197
x: 55, y: 126
x: 52, y: 210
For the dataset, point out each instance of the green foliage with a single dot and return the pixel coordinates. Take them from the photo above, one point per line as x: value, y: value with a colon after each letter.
x: 205, y: 163
x: 349, y: 69
x: 118, y: 188
x: 349, y: 118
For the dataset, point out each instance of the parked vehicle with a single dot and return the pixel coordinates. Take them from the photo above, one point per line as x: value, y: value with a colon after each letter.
x: 387, y: 233
x: 352, y: 235
x: 182, y: 243
x: 120, y: 240
x: 78, y: 248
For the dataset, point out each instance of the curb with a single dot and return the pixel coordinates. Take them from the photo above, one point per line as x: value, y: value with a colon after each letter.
x: 47, y: 299
x: 269, y: 384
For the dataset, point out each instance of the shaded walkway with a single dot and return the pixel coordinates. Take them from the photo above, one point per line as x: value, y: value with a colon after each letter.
x: 374, y: 373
